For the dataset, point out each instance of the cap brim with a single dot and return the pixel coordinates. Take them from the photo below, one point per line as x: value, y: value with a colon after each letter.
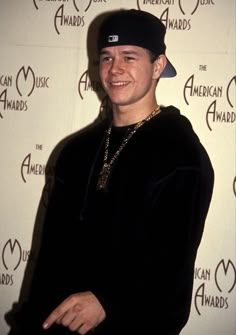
x: 169, y: 71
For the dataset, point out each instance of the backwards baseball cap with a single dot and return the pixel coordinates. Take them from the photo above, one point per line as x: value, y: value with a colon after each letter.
x: 135, y: 27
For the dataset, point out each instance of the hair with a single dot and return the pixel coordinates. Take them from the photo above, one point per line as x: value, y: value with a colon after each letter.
x: 153, y: 56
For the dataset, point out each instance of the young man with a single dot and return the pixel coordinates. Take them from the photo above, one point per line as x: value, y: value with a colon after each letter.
x: 129, y: 204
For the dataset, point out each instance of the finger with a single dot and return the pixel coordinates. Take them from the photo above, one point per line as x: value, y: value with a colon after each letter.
x: 59, y: 320
x: 75, y: 326
x: 79, y: 326
x: 56, y: 315
x: 68, y: 319
x: 84, y: 329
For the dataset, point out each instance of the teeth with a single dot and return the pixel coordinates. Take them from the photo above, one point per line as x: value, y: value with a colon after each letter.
x: 120, y: 83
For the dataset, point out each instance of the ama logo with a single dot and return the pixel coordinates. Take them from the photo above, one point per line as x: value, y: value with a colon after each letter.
x: 12, y: 256
x: 225, y: 281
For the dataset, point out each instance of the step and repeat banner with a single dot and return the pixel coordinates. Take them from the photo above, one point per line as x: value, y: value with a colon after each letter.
x: 48, y: 91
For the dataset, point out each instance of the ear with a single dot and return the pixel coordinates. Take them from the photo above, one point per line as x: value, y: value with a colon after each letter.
x: 159, y: 65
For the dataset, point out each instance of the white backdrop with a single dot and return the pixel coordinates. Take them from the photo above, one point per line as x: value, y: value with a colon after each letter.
x: 46, y: 95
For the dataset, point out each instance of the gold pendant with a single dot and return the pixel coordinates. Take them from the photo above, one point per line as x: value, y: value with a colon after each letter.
x: 103, y: 177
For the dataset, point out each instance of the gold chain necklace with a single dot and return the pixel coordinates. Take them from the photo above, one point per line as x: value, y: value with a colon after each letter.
x: 106, y: 168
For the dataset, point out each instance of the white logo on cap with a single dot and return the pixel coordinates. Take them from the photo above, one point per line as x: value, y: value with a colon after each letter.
x: 113, y: 38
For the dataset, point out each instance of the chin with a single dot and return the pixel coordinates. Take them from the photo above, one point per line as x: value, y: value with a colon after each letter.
x: 120, y: 102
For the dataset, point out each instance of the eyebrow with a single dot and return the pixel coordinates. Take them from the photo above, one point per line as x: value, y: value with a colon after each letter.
x: 124, y: 52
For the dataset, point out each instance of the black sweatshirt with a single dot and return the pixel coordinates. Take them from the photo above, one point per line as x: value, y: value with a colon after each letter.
x: 133, y: 245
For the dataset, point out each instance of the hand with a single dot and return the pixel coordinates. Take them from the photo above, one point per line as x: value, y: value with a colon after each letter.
x: 80, y: 312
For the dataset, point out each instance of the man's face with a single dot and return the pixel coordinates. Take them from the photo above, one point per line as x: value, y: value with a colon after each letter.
x: 127, y: 74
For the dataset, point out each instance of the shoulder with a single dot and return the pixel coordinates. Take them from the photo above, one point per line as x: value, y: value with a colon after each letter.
x: 177, y: 138
x: 177, y: 123
x: 84, y: 137
x: 81, y: 145
x: 171, y: 126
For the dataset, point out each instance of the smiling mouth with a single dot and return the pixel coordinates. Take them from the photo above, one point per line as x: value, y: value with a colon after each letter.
x: 119, y: 83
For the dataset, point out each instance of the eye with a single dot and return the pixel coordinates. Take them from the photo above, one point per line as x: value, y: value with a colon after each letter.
x: 129, y: 58
x: 105, y: 59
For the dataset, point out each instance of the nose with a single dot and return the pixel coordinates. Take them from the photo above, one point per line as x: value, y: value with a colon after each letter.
x: 116, y: 67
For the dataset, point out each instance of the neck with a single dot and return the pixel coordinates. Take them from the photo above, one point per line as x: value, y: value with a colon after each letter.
x: 127, y: 115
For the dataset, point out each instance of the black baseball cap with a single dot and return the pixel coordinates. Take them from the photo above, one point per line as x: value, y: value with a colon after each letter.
x: 135, y: 27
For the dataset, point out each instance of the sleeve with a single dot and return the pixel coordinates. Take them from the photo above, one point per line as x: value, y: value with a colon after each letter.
x: 44, y: 289
x: 179, y: 206
x: 155, y: 289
